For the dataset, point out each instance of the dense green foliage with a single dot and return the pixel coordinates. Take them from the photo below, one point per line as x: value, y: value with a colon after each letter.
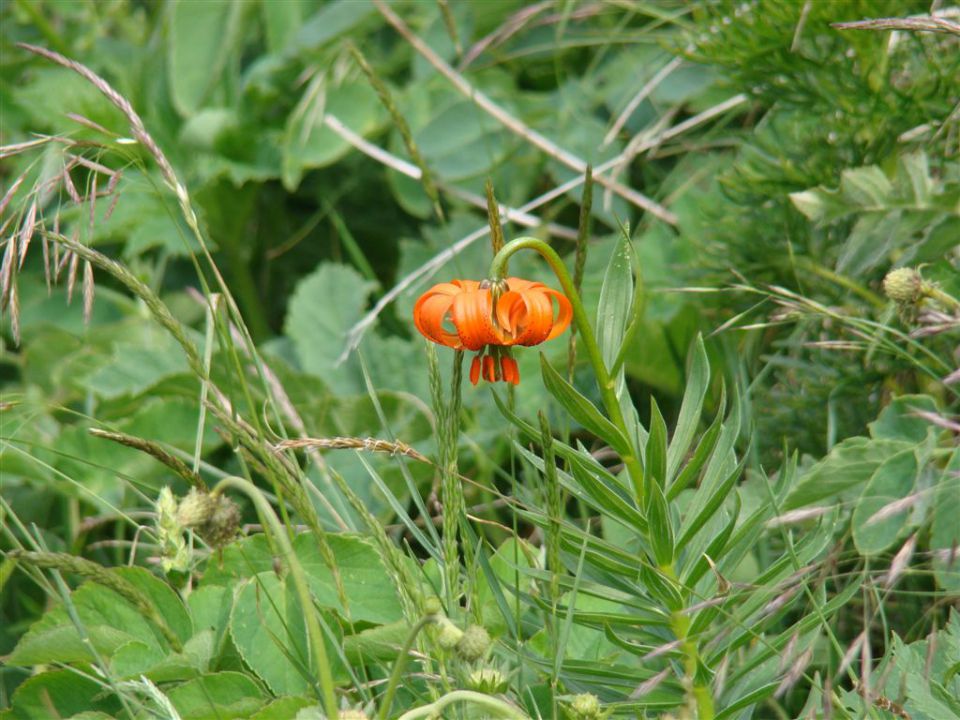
x: 238, y: 484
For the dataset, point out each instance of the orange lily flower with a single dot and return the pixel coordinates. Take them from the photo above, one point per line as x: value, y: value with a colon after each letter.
x: 460, y: 314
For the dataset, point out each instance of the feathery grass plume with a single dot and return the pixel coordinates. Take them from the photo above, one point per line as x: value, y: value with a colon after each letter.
x: 383, y: 92
x: 580, y: 259
x: 451, y: 492
x: 101, y: 575
x: 153, y: 449
x: 554, y: 500
x: 493, y: 217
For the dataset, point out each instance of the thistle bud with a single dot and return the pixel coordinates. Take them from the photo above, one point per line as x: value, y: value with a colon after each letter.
x: 904, y: 286
x: 474, y: 643
x: 487, y: 680
x: 223, y: 522
x: 195, y: 509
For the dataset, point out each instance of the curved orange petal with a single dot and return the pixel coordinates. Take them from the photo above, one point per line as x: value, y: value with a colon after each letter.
x: 428, y: 315
x: 536, y: 323
x: 564, y: 312
x: 471, y: 316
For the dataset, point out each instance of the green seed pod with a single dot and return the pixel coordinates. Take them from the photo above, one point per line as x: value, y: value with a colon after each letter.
x: 432, y: 606
x: 474, y: 643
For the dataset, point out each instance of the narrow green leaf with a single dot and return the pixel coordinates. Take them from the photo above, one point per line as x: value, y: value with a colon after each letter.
x: 715, y: 548
x: 703, y: 453
x: 582, y: 410
x: 751, y: 698
x: 661, y: 527
x: 655, y: 469
x: 710, y: 507
x: 697, y: 383
x: 613, y: 309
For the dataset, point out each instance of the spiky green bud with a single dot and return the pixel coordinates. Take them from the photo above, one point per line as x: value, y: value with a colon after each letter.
x: 586, y: 706
x: 487, y: 680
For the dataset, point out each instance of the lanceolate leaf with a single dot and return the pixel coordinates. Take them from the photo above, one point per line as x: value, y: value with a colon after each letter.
x: 698, y: 381
x: 582, y: 410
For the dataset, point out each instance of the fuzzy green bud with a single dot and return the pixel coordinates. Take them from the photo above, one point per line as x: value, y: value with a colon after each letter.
x: 904, y: 286
x: 195, y: 509
x: 353, y: 715
x: 449, y: 635
x: 487, y: 680
x: 474, y: 643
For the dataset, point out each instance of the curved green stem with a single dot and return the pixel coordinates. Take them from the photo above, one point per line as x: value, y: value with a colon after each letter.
x: 497, y: 707
x: 314, y: 632
x: 401, y: 663
x: 606, y: 383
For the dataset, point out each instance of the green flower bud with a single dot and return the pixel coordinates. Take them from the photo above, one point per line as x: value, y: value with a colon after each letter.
x: 223, y: 523
x: 904, y: 286
x: 474, y: 643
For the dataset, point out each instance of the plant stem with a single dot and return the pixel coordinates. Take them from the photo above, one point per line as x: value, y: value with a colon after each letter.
x: 491, y: 704
x: 605, y: 382
x: 314, y: 633
x: 401, y: 663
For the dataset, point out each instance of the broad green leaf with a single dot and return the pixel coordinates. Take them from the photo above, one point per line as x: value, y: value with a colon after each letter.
x: 459, y: 142
x: 376, y: 643
x: 582, y: 410
x: 267, y: 627
x: 866, y: 187
x: 850, y: 463
x: 697, y: 383
x: 60, y: 693
x: 109, y: 621
x: 201, y: 36
x: 899, y: 420
x: 323, y: 308
x: 894, y: 479
x: 308, y: 142
x: 366, y: 582
x: 945, y: 529
x: 282, y: 21
x: 285, y: 708
x: 332, y: 20
x: 217, y: 696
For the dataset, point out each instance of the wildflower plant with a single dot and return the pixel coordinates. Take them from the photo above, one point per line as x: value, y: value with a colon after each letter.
x: 280, y: 503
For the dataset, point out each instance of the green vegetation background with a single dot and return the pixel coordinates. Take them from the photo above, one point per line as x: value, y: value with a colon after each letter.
x: 793, y: 164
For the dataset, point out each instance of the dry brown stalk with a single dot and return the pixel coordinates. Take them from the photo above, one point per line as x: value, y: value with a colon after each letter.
x: 347, y: 443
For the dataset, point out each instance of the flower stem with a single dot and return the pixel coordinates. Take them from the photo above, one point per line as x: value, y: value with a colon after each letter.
x: 314, y: 633
x: 401, y: 663
x: 605, y: 382
x: 496, y: 708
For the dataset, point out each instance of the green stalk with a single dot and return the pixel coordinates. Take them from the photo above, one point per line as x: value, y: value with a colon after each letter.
x: 604, y: 380
x: 497, y: 708
x: 401, y: 663
x: 314, y: 633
